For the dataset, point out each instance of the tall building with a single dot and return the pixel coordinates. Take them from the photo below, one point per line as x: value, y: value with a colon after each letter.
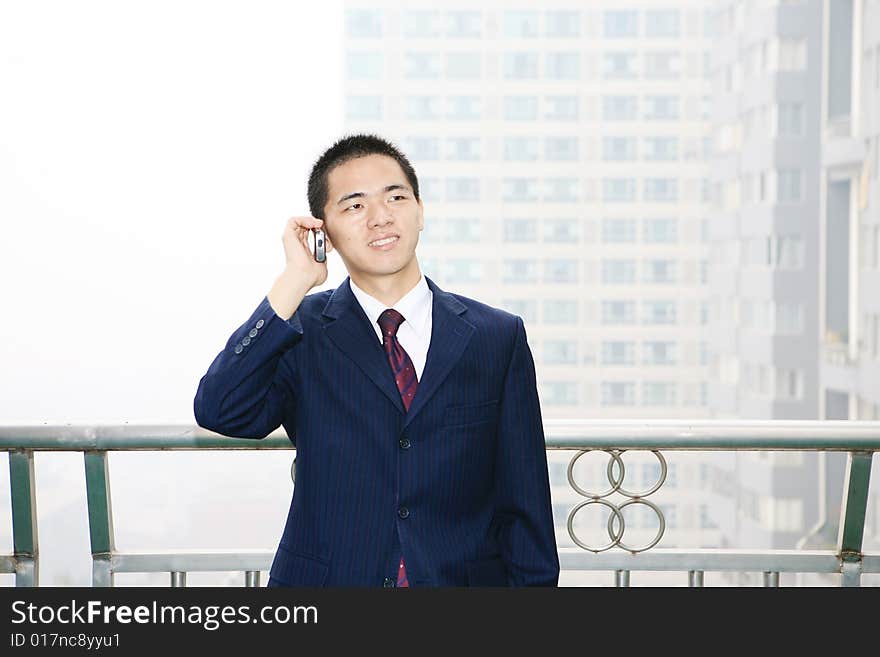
x: 849, y: 359
x: 561, y: 154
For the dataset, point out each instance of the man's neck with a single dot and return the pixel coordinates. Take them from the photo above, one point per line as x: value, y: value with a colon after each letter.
x: 389, y: 289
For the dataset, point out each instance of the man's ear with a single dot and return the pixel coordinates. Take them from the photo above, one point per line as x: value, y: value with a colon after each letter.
x: 421, y: 215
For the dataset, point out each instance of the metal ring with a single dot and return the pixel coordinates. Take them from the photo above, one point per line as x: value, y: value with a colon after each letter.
x: 615, y: 485
x: 660, y: 530
x: 615, y: 511
x: 655, y: 488
x: 293, y: 471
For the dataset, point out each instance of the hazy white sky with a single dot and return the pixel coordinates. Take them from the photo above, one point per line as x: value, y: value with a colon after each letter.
x: 150, y: 155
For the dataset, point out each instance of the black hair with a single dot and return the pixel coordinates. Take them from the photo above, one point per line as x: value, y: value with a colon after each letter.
x: 350, y: 148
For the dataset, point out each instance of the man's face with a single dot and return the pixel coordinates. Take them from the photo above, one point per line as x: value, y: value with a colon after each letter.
x: 369, y: 198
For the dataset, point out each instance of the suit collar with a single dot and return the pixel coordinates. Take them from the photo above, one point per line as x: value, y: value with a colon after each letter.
x: 349, y: 328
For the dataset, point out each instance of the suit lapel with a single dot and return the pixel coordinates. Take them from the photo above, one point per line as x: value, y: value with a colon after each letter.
x: 348, y: 326
x: 450, y: 334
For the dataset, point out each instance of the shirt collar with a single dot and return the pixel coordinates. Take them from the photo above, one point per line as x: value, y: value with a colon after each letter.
x: 415, y: 305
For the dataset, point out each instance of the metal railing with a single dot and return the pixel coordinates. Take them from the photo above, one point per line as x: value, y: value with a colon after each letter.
x: 858, y: 439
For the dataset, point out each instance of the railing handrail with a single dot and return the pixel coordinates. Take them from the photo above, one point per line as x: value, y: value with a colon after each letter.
x: 860, y: 439
x: 669, y: 434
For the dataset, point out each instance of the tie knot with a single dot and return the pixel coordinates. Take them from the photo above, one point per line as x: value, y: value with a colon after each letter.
x: 389, y: 321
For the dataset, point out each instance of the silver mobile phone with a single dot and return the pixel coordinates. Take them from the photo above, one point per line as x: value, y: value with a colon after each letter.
x: 320, y: 252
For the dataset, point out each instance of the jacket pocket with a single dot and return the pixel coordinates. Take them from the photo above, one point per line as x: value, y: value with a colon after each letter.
x: 487, y: 572
x: 291, y: 568
x: 466, y: 414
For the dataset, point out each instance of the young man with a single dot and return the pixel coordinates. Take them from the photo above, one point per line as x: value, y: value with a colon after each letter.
x: 420, y: 446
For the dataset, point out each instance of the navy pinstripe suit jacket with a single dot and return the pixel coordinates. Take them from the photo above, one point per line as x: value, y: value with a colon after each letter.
x: 459, y: 484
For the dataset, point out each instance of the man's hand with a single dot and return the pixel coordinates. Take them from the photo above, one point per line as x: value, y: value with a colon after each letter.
x: 302, y: 272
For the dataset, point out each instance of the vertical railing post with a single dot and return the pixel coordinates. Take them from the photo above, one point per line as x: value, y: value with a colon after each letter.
x: 24, y: 517
x: 100, y: 517
x: 852, y: 516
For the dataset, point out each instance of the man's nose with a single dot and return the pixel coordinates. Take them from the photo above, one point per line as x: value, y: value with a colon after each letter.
x: 381, y: 215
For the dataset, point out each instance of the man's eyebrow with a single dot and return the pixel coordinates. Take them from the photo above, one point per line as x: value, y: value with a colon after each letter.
x: 389, y: 188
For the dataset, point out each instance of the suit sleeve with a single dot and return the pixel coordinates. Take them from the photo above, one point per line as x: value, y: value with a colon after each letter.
x: 248, y: 390
x: 524, y: 511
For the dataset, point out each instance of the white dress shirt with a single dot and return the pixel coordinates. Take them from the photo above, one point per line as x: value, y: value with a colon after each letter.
x: 414, y: 333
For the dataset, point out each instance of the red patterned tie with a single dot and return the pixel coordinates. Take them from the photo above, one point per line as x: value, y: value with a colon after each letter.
x: 405, y: 376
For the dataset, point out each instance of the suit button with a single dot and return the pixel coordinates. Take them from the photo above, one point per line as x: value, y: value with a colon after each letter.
x: 260, y: 323
x: 238, y: 348
x: 245, y: 341
x: 389, y: 583
x: 403, y: 512
x: 404, y: 443
x: 252, y: 333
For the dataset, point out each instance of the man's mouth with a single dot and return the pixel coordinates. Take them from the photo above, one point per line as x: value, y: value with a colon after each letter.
x: 385, y: 241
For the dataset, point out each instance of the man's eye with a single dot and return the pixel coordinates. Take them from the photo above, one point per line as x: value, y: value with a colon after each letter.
x: 398, y: 196
x: 351, y: 206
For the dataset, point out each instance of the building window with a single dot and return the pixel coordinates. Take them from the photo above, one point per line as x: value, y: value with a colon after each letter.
x: 790, y: 119
x: 560, y: 352
x: 520, y: 108
x: 463, y: 107
x: 561, y: 24
x: 525, y: 308
x: 463, y: 270
x: 561, y: 149
x: 789, y: 186
x: 660, y: 231
x: 463, y: 189
x: 660, y: 149
x: 464, y: 65
x: 662, y: 23
x: 520, y: 65
x: 565, y: 231
x: 621, y: 24
x: 658, y: 353
x: 363, y: 23
x: 561, y: 108
x: 618, y: 272
x: 618, y: 393
x: 661, y: 189
x: 519, y: 190
x: 520, y: 149
x: 619, y: 149
x: 658, y: 393
x: 618, y: 312
x: 559, y: 393
x: 562, y: 65
x: 617, y: 231
x: 364, y: 65
x: 363, y: 107
x: 421, y: 24
x: 423, y: 149
x: 463, y: 148
x: 560, y: 311
x: 659, y: 312
x: 661, y: 108
x: 617, y: 352
x: 520, y: 24
x: 464, y: 24
x: 520, y: 230
x: 520, y: 271
x: 619, y: 65
x: 662, y: 65
x: 561, y: 190
x: 463, y: 230
x: 561, y: 271
x: 421, y: 107
x: 619, y: 108
x: 421, y: 65
x: 659, y: 271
